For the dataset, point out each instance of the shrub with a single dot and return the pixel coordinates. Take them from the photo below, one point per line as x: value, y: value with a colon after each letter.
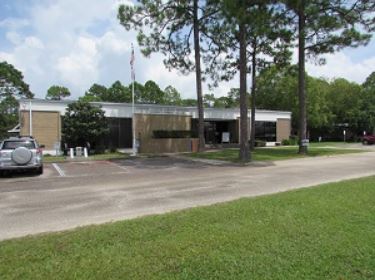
x: 293, y: 140
x: 260, y: 143
x: 83, y: 123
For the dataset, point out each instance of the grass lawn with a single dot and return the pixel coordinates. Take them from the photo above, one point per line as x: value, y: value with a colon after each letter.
x: 106, y: 156
x: 326, y: 232
x: 336, y: 144
x: 276, y: 153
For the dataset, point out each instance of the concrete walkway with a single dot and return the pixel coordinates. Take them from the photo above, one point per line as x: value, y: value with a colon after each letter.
x: 159, y: 185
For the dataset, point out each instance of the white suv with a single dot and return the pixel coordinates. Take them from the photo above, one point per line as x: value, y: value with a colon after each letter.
x: 21, y: 153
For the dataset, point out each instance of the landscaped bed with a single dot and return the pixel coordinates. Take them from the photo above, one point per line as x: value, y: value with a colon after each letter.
x: 276, y: 153
x: 106, y: 156
x: 326, y: 232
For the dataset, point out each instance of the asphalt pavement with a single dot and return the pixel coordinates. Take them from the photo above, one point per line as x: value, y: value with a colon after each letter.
x: 76, y: 194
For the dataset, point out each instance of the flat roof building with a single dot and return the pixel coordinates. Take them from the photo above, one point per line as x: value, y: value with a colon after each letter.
x: 221, y: 125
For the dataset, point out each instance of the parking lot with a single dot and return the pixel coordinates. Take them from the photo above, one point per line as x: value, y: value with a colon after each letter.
x: 72, y: 194
x: 92, y: 169
x: 68, y: 169
x: 132, y: 167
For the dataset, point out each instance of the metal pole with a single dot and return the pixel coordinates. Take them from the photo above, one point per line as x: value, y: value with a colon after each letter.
x: 133, y: 109
x: 30, y: 119
x: 133, y: 120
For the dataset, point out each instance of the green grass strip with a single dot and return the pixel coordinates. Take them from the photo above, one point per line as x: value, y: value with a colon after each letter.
x: 326, y: 232
x: 271, y: 154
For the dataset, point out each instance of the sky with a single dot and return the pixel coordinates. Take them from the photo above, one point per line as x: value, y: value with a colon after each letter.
x: 78, y: 43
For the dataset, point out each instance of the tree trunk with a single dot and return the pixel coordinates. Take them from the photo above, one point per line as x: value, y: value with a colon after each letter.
x: 244, y: 155
x: 301, y: 78
x: 253, y: 97
x: 198, y: 77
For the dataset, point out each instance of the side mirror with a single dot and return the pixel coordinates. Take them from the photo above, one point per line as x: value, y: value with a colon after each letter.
x: 42, y: 146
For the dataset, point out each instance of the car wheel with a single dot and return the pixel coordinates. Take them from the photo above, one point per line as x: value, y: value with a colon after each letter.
x: 365, y: 142
x: 39, y: 171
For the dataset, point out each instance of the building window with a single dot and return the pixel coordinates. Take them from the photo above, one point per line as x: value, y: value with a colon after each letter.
x: 265, y: 131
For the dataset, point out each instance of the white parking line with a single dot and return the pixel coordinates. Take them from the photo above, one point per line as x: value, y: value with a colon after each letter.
x: 58, y: 169
x: 118, y: 166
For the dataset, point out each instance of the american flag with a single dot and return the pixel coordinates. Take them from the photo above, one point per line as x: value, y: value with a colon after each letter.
x: 132, y: 58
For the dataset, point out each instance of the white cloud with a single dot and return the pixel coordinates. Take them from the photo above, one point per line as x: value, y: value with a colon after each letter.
x: 341, y: 65
x: 4, y: 56
x: 14, y: 23
x: 14, y: 37
x: 78, y: 43
x: 34, y: 43
x: 79, y: 67
x: 111, y: 42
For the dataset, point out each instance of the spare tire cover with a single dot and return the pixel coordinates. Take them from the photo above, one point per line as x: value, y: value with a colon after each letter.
x: 21, y: 155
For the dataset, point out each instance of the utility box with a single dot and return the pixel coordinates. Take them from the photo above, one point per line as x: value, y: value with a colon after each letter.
x: 225, y: 137
x: 79, y: 151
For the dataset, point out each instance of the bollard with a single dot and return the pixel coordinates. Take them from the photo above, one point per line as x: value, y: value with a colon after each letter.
x: 85, y: 152
x: 71, y: 153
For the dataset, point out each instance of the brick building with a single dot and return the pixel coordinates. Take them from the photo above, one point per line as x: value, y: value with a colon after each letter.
x: 221, y: 125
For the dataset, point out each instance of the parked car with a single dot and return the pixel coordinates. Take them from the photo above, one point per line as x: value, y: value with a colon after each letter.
x: 368, y: 139
x: 21, y: 153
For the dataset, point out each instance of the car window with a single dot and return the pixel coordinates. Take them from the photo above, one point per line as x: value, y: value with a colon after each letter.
x: 11, y: 145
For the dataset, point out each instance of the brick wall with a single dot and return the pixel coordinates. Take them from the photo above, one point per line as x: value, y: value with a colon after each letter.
x: 145, y: 124
x: 46, y: 127
x: 283, y: 129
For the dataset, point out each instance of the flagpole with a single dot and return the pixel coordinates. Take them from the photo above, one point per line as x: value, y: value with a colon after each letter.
x: 133, y: 109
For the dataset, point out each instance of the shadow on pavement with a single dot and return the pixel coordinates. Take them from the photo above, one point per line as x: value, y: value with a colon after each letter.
x: 165, y: 162
x: 160, y: 163
x: 19, y: 174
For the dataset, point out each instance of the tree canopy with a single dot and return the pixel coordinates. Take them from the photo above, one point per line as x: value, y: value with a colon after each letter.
x: 368, y: 104
x: 12, y: 87
x: 12, y: 83
x: 95, y: 93
x: 83, y: 123
x: 326, y: 26
x: 149, y: 93
x: 331, y: 103
x: 175, y: 29
x: 57, y: 93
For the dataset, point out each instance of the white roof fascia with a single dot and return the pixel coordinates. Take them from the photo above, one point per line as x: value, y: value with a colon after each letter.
x: 124, y: 110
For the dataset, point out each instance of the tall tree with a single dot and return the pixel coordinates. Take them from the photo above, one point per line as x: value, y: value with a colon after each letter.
x: 209, y: 100
x: 189, y: 102
x: 262, y: 26
x: 83, y: 123
x: 117, y: 92
x: 57, y: 93
x: 152, y: 94
x: 269, y: 43
x: 12, y: 87
x: 229, y: 37
x: 8, y: 115
x: 325, y: 26
x: 277, y: 89
x: 344, y: 100
x: 95, y: 93
x: 174, y: 29
x: 234, y: 97
x: 12, y: 83
x: 368, y: 104
x: 244, y: 144
x: 172, y: 96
